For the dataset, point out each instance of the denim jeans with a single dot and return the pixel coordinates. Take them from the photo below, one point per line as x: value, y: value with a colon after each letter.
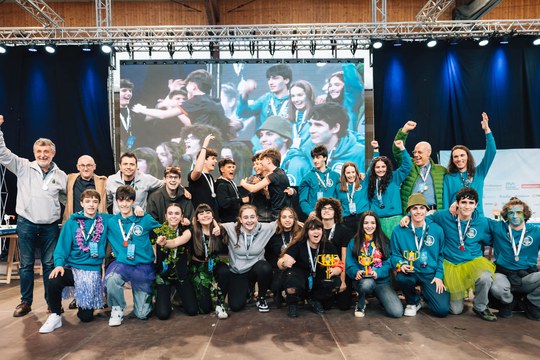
x: 530, y: 286
x: 384, y: 292
x: 438, y: 303
x: 31, y: 237
x: 142, y: 302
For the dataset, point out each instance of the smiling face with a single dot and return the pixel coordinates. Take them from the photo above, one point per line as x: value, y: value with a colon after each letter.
x: 369, y: 225
x: 128, y: 166
x: 277, y: 84
x: 90, y: 206
x: 227, y: 171
x: 44, y: 155
x: 286, y: 219
x: 319, y: 161
x: 205, y: 218
x: 298, y: 98
x: 380, y: 168
x: 270, y: 140
x: 421, y: 153
x: 172, y: 181
x: 86, y: 167
x: 466, y: 208
x: 314, y: 236
x: 418, y: 214
x: 125, y: 96
x: 125, y: 206
x: 173, y: 216
x: 335, y: 87
x: 320, y: 131
x: 459, y: 158
x: 248, y: 219
x: 327, y: 212
x: 515, y: 216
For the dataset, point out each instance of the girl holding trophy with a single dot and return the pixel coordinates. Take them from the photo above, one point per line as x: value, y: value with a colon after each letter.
x: 368, y: 265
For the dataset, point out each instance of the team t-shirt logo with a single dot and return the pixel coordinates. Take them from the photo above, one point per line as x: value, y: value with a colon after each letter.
x: 527, y: 241
x: 429, y: 240
x: 337, y: 167
x: 471, y: 234
x: 138, y: 230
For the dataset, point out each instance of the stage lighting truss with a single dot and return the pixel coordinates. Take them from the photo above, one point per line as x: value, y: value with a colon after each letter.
x: 282, y: 37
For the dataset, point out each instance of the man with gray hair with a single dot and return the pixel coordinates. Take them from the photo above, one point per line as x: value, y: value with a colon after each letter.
x: 41, y: 186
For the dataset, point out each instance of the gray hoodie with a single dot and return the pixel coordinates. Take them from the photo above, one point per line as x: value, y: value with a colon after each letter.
x: 142, y: 183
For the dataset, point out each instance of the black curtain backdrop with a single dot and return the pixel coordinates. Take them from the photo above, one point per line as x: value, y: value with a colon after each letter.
x: 445, y: 90
x: 61, y: 96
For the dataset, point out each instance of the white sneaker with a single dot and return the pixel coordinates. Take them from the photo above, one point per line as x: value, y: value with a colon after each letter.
x: 53, y: 322
x: 410, y: 310
x: 117, y: 315
x: 359, y: 313
x: 221, y: 313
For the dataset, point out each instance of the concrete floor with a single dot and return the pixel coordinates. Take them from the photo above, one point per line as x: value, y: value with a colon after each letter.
x: 252, y: 335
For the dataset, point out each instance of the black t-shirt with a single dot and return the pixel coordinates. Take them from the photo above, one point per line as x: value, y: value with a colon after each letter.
x: 201, y: 192
x: 202, y: 109
x: 278, y: 183
x: 299, y: 252
x: 340, y: 238
x: 275, y: 246
x: 78, y: 188
x: 229, y: 200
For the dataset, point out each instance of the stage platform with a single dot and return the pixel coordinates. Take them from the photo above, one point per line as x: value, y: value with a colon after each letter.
x: 252, y: 335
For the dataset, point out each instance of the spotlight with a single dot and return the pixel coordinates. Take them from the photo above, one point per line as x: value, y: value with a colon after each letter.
x: 86, y: 48
x: 3, y: 49
x: 536, y: 41
x: 431, y: 43
x: 32, y: 48
x: 505, y: 39
x: 170, y: 49
x: 483, y: 42
x: 312, y: 46
x: 453, y: 40
x: 50, y: 48
x: 354, y: 46
x: 397, y: 43
x: 377, y: 44
x: 106, y: 48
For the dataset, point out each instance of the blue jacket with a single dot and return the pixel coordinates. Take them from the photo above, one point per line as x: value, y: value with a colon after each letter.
x: 353, y: 266
x: 453, y: 181
x: 359, y: 198
x: 352, y: 95
x: 142, y: 226
x: 67, y: 251
x: 296, y: 165
x: 502, y: 248
x: 311, y: 186
x: 261, y: 107
x: 430, y: 259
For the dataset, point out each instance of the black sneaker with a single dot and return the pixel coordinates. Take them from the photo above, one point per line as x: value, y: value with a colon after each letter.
x: 262, y: 305
x: 293, y: 311
x: 317, y: 307
x: 505, y: 311
x: 485, y: 314
x: 531, y: 311
x: 72, y: 305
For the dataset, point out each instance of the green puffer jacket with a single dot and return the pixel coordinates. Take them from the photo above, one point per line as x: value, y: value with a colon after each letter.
x: 437, y: 173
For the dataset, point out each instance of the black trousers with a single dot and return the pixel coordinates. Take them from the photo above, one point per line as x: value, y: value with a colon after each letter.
x: 295, y: 284
x: 55, y: 287
x: 239, y: 284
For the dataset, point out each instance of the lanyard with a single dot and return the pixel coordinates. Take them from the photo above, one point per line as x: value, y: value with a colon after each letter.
x: 462, y: 235
x: 323, y: 183
x: 419, y: 241
x: 126, y: 121
x: 124, y: 236
x: 283, y: 107
x: 512, y: 241
x: 234, y: 187
x: 205, y: 245
x: 47, y: 181
x: 86, y: 237
x: 378, y: 191
x: 329, y: 157
x: 312, y: 259
x: 299, y: 123
x: 285, y: 243
x: 350, y: 196
x: 465, y: 180
x: 210, y: 183
x: 332, y: 231
x: 425, y: 176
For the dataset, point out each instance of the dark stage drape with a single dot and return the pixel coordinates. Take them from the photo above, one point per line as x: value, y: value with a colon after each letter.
x: 61, y: 96
x: 445, y: 90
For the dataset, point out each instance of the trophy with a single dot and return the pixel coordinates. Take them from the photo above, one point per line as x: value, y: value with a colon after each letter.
x: 366, y: 261
x: 411, y: 256
x: 328, y: 260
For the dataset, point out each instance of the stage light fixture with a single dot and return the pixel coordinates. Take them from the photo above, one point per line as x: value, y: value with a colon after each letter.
x: 86, y: 48
x: 32, y: 48
x: 376, y: 44
x: 354, y: 46
x: 483, y: 42
x: 431, y: 43
x: 50, y: 48
x: 294, y: 46
x: 536, y: 41
x: 3, y: 49
x: 397, y: 43
x: 272, y: 47
x: 106, y: 48
x: 312, y: 46
x: 190, y: 48
x: 170, y: 49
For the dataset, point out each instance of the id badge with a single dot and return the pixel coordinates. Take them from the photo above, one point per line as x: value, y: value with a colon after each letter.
x: 352, y: 208
x: 210, y: 264
x: 130, y: 252
x: 310, y: 282
x: 93, y: 249
x: 319, y: 195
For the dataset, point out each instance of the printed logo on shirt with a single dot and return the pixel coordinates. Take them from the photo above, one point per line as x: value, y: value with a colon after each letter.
x: 337, y: 167
x: 471, y: 234
x: 527, y: 241
x: 292, y: 179
x: 138, y: 230
x: 429, y: 240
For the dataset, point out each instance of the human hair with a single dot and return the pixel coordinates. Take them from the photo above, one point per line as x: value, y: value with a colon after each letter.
x: 302, y: 236
x: 213, y: 243
x: 172, y: 170
x: 126, y: 84
x: 467, y: 193
x: 200, y: 131
x: 333, y: 114
x: 379, y: 237
x: 153, y: 165
x: 182, y: 92
x: 255, y: 157
x: 125, y: 192
x: 295, y: 228
x: 336, y: 205
x: 224, y: 162
x: 176, y: 205
x: 341, y: 97
x: 273, y: 154
x: 45, y: 142
x: 209, y: 152
x: 240, y: 211
x: 280, y: 70
x: 343, y: 178
x: 471, y: 166
x: 202, y: 78
x: 385, y: 180
x: 90, y: 193
x: 515, y: 201
x: 229, y: 90
x: 173, y: 149
x: 319, y: 150
x: 128, y: 155
x: 241, y: 156
x: 310, y: 99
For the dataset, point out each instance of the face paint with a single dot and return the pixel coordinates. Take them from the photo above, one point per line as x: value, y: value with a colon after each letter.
x: 515, y: 215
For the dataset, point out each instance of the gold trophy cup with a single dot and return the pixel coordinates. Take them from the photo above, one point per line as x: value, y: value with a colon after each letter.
x: 327, y: 260
x: 411, y: 256
x: 366, y: 261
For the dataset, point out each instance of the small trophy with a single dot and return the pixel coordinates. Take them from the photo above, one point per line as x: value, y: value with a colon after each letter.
x: 327, y: 260
x: 411, y: 256
x: 366, y: 261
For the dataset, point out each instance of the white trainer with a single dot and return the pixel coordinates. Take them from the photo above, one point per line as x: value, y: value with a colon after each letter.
x: 221, y: 313
x: 117, y: 315
x: 410, y: 310
x: 53, y: 322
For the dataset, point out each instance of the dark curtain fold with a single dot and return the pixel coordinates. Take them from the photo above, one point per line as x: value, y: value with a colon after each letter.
x: 61, y: 96
x: 445, y: 90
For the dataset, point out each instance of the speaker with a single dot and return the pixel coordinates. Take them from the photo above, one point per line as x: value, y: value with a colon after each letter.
x: 474, y: 10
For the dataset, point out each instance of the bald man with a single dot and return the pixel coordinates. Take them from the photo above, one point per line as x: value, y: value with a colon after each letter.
x: 84, y: 179
x: 425, y: 177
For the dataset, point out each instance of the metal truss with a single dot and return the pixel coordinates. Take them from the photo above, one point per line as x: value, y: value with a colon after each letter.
x: 252, y: 37
x: 433, y: 9
x: 42, y: 12
x: 378, y: 11
x: 103, y: 13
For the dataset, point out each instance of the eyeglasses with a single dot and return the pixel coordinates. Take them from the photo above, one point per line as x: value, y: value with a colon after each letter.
x: 86, y: 165
x: 327, y: 208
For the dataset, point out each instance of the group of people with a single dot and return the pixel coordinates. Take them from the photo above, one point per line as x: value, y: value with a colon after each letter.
x: 219, y: 243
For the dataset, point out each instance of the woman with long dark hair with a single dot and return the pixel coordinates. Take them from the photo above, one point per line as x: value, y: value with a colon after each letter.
x: 352, y: 194
x: 368, y: 265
